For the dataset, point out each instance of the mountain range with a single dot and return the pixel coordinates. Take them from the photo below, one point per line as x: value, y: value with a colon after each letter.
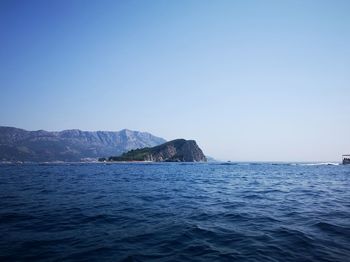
x: 69, y: 145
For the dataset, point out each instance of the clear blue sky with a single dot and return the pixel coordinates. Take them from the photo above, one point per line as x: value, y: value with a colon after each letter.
x: 249, y: 80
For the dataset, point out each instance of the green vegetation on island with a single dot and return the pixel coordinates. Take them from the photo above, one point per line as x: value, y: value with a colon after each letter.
x: 179, y: 150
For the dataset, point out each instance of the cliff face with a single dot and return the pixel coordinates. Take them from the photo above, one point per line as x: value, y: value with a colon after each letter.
x: 69, y: 145
x: 179, y: 150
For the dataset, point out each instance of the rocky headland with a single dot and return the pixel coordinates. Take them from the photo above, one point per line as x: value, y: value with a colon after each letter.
x: 179, y: 150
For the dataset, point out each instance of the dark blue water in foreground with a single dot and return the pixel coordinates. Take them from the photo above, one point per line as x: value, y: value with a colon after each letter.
x: 175, y: 212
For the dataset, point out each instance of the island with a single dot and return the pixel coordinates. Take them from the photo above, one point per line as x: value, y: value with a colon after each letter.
x: 178, y: 150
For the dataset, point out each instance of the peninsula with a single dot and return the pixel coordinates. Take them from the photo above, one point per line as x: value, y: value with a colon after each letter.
x: 178, y: 150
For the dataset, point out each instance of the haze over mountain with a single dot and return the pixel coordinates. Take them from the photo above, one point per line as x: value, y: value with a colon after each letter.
x: 69, y: 145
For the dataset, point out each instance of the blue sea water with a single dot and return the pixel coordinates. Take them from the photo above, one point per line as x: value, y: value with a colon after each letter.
x: 175, y: 212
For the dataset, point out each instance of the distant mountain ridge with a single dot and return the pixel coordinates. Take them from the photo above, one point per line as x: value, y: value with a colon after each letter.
x: 178, y: 150
x: 69, y: 145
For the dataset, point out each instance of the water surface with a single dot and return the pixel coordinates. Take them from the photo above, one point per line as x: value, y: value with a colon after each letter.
x: 175, y: 212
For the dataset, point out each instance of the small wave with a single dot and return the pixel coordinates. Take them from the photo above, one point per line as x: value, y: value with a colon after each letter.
x: 228, y: 164
x: 130, y: 258
x: 332, y: 228
x: 6, y: 218
x: 317, y: 164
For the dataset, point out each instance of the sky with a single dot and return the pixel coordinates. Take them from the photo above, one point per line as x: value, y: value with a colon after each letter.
x: 248, y: 80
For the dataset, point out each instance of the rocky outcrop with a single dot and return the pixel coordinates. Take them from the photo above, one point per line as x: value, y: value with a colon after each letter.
x: 69, y: 145
x: 179, y: 150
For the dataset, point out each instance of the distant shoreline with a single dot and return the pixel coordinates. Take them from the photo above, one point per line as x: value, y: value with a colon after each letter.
x: 315, y: 163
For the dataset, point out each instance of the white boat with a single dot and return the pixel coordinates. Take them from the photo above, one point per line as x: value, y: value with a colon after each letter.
x: 346, y: 159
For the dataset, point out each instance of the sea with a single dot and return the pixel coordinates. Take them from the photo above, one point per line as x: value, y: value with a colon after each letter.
x: 175, y: 212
